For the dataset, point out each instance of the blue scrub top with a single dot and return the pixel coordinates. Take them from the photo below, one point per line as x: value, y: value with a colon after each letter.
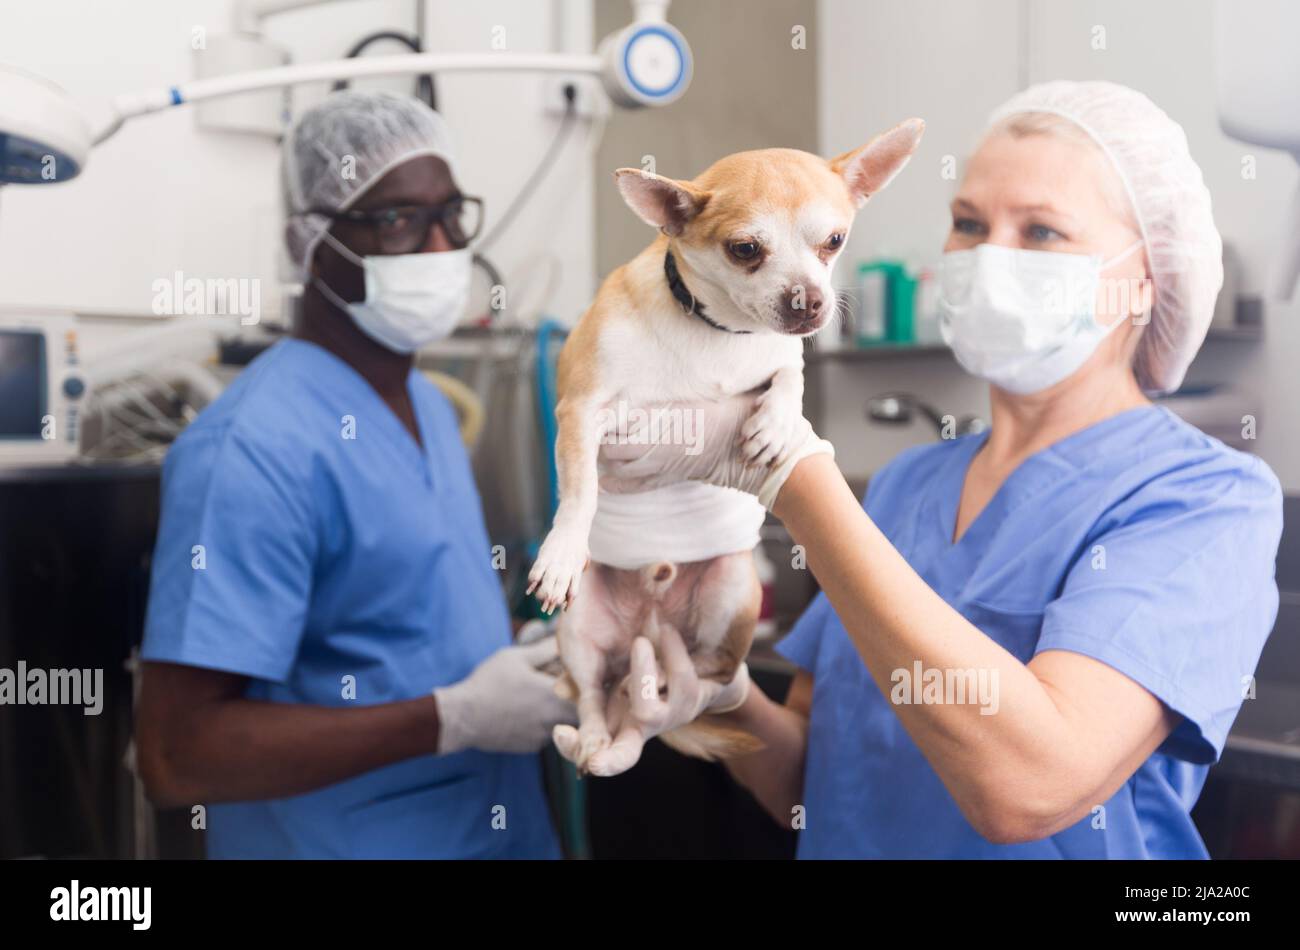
x: 327, y: 561
x: 1140, y: 542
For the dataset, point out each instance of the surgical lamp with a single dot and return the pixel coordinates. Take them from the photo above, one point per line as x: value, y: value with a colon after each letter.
x: 45, y: 137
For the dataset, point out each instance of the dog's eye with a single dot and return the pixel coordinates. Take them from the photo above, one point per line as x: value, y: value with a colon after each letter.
x: 835, y: 241
x: 743, y: 250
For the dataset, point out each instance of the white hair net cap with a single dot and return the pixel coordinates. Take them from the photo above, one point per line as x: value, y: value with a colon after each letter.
x: 340, y: 147
x: 1170, y: 202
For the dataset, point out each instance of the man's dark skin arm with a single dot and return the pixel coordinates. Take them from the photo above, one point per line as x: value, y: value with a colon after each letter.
x: 199, y: 740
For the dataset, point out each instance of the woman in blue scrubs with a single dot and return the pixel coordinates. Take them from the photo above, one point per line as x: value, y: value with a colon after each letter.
x: 329, y: 661
x: 1034, y: 641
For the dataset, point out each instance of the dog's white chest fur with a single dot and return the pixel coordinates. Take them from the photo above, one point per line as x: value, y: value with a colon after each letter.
x: 678, y: 357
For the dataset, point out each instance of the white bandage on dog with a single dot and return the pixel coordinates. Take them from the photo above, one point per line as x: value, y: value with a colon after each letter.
x: 681, y: 523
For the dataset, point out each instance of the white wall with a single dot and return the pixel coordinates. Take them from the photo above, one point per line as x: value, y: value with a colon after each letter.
x: 163, y: 196
x: 880, y: 63
x: 503, y: 132
x: 952, y: 62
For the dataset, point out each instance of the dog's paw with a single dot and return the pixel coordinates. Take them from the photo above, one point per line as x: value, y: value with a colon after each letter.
x: 615, y: 760
x: 582, y: 747
x: 591, y: 744
x: 766, y: 433
x: 558, y: 570
x: 566, y: 742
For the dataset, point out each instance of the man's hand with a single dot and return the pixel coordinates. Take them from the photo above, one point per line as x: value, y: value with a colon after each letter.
x: 506, y: 705
x: 725, y: 432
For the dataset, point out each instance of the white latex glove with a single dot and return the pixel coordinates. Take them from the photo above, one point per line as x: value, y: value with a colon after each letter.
x: 716, y: 456
x: 639, y: 712
x: 506, y: 705
x: 688, y: 696
x: 534, y: 630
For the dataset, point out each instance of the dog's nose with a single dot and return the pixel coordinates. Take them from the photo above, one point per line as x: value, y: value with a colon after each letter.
x: 801, y: 307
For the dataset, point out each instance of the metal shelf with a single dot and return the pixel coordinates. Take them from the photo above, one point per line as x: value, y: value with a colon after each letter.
x: 892, y: 351
x: 879, y: 351
x: 1244, y: 334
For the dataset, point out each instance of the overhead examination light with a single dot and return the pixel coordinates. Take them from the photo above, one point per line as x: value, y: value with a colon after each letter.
x: 45, y: 137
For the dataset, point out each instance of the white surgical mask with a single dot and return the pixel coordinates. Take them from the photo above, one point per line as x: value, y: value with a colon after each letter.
x: 411, y: 299
x: 1024, y: 320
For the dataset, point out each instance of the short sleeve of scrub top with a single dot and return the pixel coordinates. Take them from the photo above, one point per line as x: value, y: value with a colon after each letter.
x: 1176, y: 591
x: 234, y: 560
x: 309, y: 543
x: 1140, y: 542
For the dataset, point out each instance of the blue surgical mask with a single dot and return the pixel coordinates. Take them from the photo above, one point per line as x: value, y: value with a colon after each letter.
x: 1024, y: 320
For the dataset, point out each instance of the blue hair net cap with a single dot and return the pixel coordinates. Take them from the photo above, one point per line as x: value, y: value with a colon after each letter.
x: 339, y: 148
x: 1171, y: 204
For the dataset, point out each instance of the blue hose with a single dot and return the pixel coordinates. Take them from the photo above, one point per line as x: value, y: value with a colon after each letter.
x: 546, y: 403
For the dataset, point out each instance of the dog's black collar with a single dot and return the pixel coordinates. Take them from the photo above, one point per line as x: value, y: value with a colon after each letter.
x: 687, y: 299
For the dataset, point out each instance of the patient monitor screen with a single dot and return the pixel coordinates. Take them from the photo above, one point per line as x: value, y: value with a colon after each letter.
x: 22, y: 384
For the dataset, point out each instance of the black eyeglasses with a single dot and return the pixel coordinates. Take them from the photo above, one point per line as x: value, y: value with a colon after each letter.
x: 405, y: 229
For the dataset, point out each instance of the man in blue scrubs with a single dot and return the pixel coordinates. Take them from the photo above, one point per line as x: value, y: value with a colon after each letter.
x: 329, y: 660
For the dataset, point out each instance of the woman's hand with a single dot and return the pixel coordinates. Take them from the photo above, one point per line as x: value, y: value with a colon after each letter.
x: 661, y: 705
x: 654, y: 701
x: 708, y: 442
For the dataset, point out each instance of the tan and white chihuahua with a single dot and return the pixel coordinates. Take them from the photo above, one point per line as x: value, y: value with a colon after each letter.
x: 717, y: 305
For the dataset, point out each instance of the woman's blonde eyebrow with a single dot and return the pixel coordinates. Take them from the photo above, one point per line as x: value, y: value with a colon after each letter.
x: 963, y: 205
x: 1042, y: 206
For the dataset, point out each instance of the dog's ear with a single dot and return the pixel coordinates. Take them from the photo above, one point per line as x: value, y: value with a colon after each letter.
x: 660, y: 202
x: 869, y: 169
